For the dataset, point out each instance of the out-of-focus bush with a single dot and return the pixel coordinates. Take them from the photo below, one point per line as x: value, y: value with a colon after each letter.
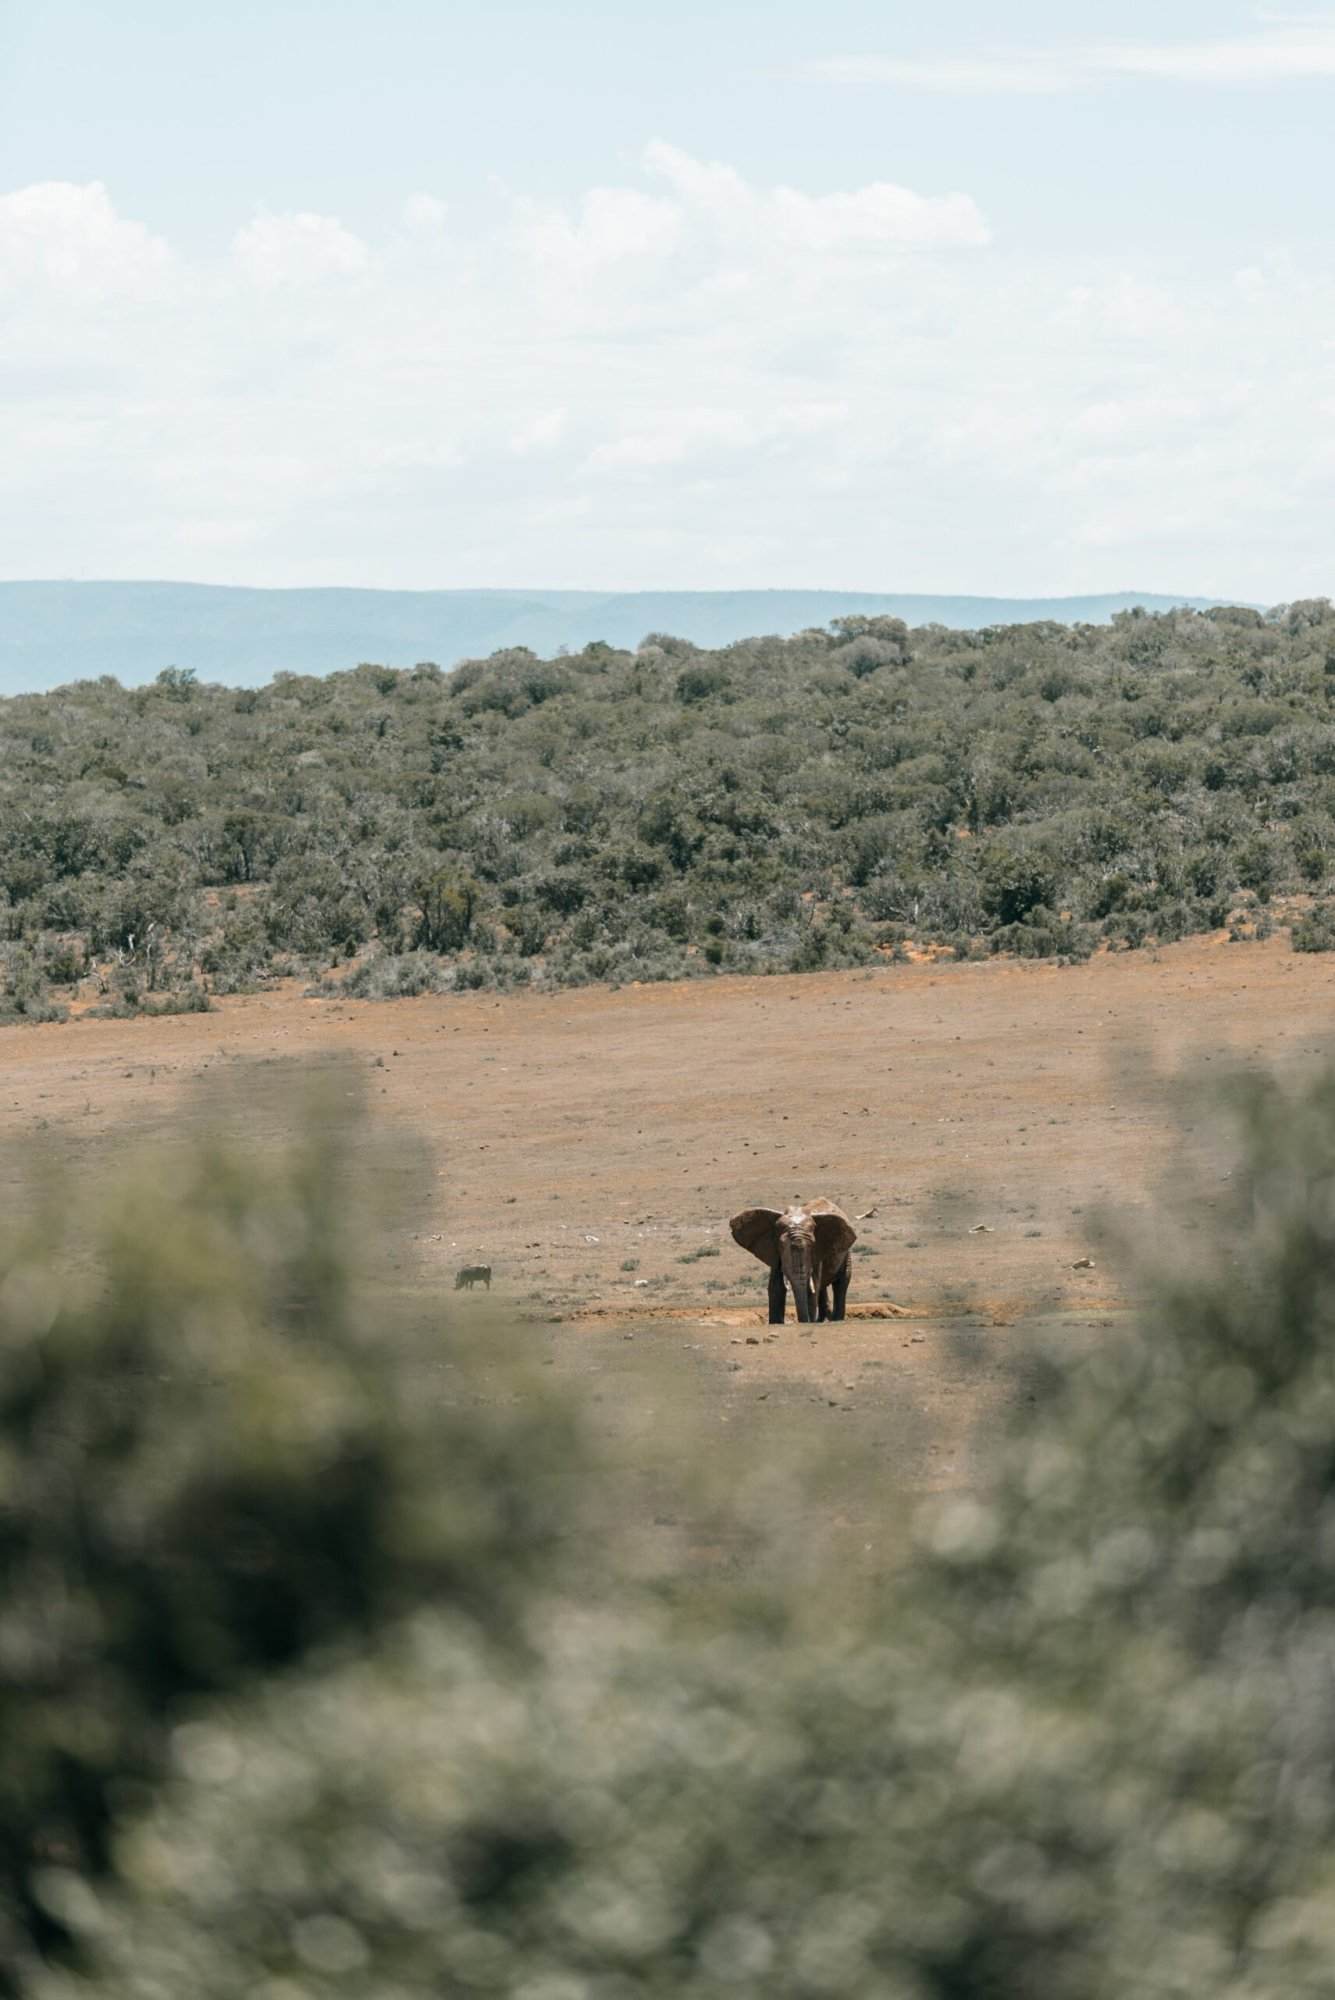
x: 1082, y: 1745
x: 227, y: 1449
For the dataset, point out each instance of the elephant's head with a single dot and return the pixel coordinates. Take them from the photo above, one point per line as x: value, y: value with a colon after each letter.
x: 808, y: 1242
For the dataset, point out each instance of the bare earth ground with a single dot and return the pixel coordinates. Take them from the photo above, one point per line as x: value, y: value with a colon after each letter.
x: 591, y: 1145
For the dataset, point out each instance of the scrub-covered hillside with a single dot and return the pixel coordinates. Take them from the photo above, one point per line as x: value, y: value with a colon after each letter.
x: 615, y: 815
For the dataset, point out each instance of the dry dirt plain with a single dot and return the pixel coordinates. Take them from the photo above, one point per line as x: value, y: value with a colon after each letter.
x: 590, y: 1146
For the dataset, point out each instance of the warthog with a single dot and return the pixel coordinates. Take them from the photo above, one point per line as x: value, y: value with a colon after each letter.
x: 472, y: 1274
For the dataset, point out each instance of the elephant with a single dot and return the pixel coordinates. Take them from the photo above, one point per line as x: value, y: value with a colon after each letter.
x: 808, y: 1245
x: 472, y: 1274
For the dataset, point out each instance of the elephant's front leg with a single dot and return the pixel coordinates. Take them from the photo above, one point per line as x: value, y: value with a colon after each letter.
x: 841, y: 1278
x: 823, y: 1303
x: 777, y: 1295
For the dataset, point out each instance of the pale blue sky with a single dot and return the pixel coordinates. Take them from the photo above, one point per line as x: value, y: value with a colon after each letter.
x: 446, y: 294
x: 195, y: 115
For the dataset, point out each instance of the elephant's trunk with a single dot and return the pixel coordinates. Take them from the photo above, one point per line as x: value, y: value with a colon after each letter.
x: 799, y: 1277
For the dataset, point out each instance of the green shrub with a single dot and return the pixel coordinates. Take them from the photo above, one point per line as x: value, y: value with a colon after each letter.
x: 24, y: 996
x: 396, y: 976
x: 1316, y: 930
x: 448, y: 905
x: 1015, y: 883
x: 187, y: 999
x: 700, y: 684
x: 65, y: 965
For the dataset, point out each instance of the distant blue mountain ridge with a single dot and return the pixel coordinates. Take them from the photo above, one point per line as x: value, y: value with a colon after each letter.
x: 53, y: 633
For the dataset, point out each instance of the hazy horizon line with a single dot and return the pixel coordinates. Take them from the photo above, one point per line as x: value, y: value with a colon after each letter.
x: 617, y: 590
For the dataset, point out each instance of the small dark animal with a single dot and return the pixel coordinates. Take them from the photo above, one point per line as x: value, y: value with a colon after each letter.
x: 472, y: 1274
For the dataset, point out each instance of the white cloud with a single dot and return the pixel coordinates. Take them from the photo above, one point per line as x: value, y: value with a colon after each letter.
x: 1124, y: 307
x: 710, y: 205
x: 424, y: 215
x: 1138, y: 422
x: 706, y: 185
x: 298, y: 249
x: 540, y: 433
x: 610, y: 225
x: 880, y: 216
x: 70, y: 236
x: 1288, y: 50
x: 702, y: 381
x: 1280, y: 57
x: 680, y: 436
x: 1022, y: 72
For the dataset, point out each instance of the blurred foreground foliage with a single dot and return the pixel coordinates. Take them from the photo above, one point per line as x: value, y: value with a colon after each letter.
x: 225, y: 1449
x: 307, y: 1694
x: 776, y: 805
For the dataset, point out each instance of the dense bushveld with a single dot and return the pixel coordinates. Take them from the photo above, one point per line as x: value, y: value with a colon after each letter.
x: 776, y: 804
x: 336, y: 1661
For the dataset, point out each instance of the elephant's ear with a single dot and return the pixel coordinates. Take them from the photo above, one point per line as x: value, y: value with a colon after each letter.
x: 835, y: 1234
x: 757, y: 1230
